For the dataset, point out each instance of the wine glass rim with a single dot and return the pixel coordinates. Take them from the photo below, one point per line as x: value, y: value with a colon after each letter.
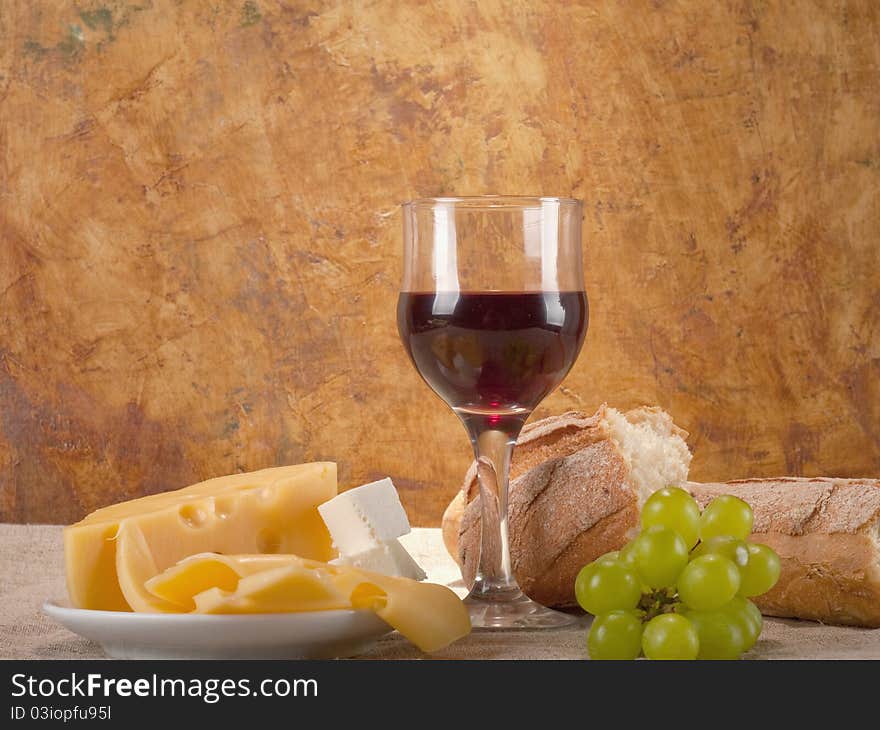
x: 491, y: 201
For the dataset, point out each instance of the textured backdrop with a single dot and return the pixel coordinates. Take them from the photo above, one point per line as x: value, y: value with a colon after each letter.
x: 200, y: 233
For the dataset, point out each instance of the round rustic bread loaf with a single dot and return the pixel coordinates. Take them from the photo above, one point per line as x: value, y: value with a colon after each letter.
x: 578, y: 483
x: 539, y: 441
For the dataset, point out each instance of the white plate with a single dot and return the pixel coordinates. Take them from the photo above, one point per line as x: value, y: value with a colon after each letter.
x: 307, y: 635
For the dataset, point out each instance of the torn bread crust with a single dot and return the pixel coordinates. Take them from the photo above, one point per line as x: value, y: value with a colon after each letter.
x: 651, y: 445
x: 547, y: 439
x: 578, y: 483
x: 825, y: 531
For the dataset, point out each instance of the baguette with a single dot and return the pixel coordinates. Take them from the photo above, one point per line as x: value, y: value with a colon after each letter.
x: 827, y: 534
x: 578, y: 483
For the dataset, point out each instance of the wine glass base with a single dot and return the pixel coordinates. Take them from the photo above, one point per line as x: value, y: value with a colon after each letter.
x: 513, y: 610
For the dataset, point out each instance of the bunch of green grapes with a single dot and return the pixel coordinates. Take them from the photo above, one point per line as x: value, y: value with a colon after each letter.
x: 680, y: 589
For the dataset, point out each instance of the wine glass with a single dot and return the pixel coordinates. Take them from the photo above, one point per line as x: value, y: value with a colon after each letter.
x: 493, y: 313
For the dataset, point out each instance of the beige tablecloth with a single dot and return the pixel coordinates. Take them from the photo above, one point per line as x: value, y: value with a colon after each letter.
x: 31, y: 570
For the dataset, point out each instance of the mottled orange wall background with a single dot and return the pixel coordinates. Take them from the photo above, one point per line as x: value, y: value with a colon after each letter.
x: 200, y: 233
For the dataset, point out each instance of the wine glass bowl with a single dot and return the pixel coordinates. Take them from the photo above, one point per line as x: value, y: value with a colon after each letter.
x: 492, y: 311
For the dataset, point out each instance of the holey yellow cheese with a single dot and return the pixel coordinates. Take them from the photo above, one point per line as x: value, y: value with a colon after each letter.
x: 429, y: 615
x: 111, y: 553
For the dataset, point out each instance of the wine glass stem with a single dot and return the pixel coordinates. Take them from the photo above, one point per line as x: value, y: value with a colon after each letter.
x: 495, y: 600
x: 493, y: 449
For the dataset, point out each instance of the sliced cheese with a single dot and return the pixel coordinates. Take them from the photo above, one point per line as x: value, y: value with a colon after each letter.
x: 112, y: 552
x: 429, y: 615
x: 292, y: 588
x: 193, y: 575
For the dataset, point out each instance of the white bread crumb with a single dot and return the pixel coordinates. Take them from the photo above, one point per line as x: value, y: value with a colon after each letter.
x: 655, y: 453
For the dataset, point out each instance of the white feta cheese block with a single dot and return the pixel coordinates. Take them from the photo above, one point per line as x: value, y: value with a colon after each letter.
x: 364, y: 518
x: 390, y: 558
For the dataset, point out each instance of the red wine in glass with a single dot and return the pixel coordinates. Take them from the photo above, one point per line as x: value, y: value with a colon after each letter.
x: 492, y: 312
x: 493, y: 356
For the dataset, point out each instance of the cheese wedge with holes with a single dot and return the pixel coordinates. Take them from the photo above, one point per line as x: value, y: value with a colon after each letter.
x: 429, y: 615
x: 111, y: 553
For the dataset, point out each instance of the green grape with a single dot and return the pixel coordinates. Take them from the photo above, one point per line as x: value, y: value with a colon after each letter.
x: 708, y: 582
x: 601, y: 587
x: 747, y: 615
x: 721, y: 635
x: 676, y: 509
x: 611, y: 557
x: 615, y: 635
x: 670, y: 636
x: 761, y: 571
x: 737, y: 551
x: 627, y: 554
x: 660, y: 555
x: 581, y: 580
x: 753, y: 613
x: 726, y: 515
